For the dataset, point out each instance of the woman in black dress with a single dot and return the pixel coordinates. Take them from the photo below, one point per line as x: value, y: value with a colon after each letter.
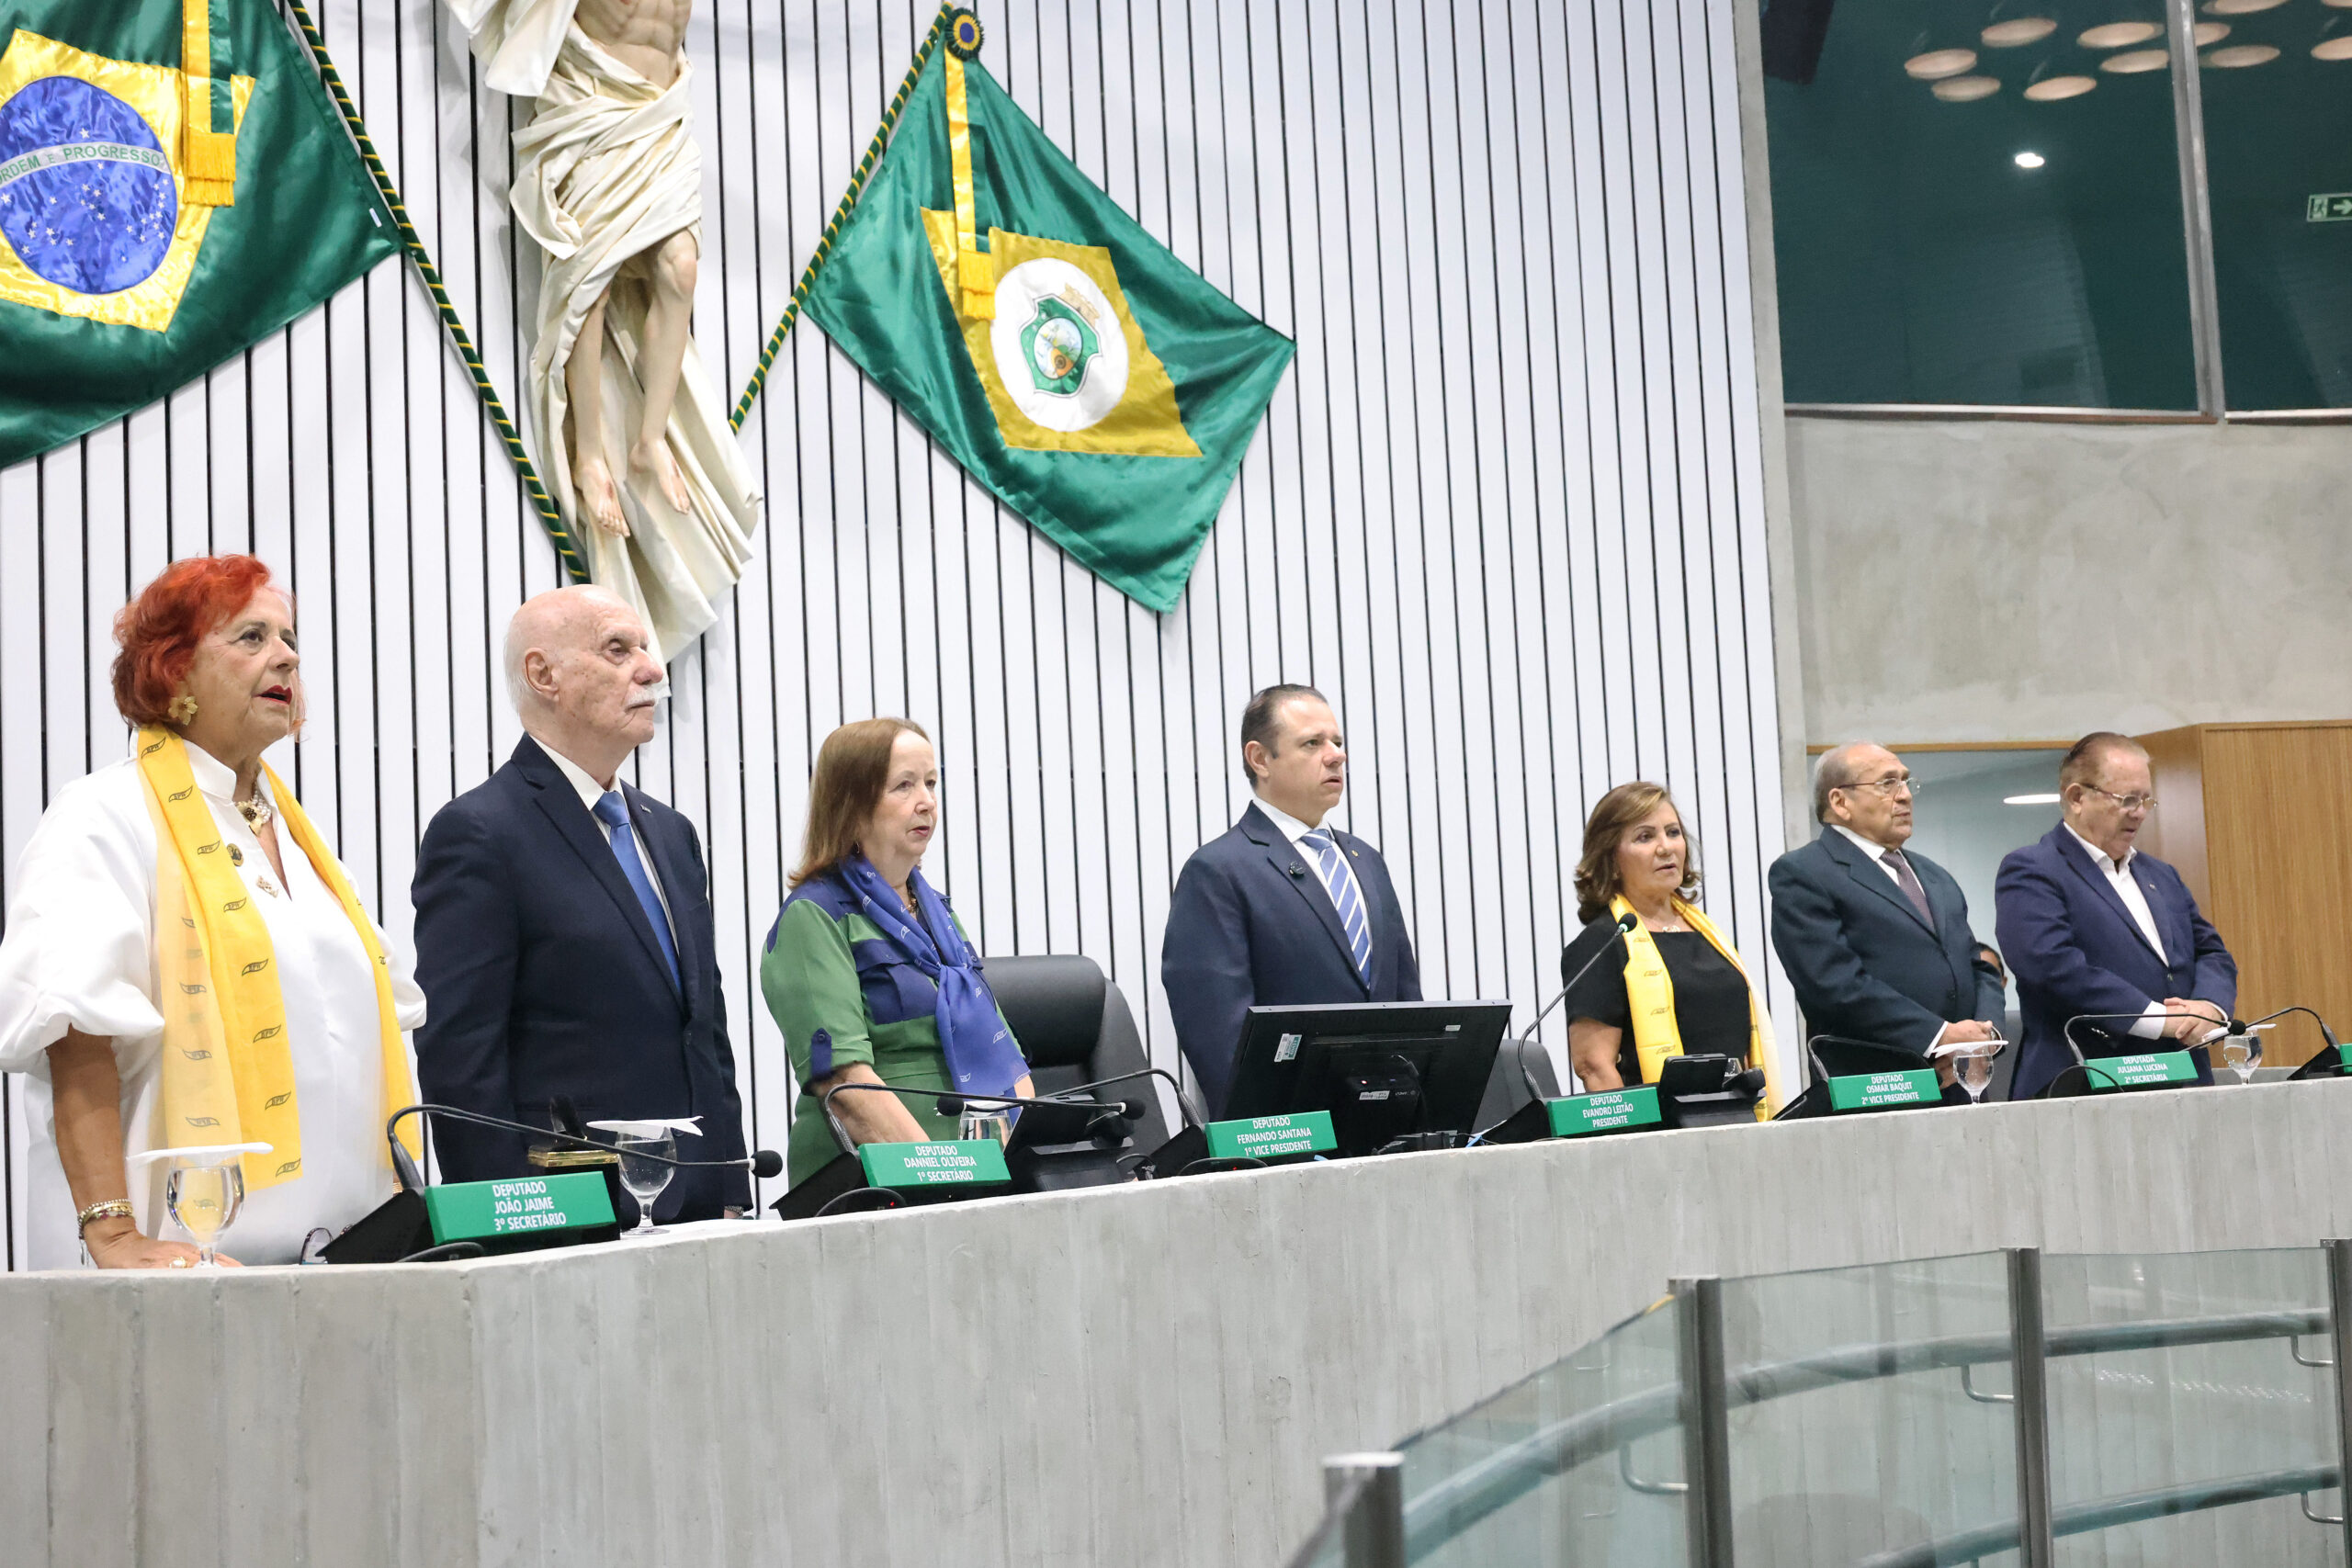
x: 1679, y: 972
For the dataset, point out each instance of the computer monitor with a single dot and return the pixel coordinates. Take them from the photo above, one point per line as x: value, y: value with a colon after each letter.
x: 1382, y: 1069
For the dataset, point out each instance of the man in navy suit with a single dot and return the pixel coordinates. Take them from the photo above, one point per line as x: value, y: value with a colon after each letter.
x: 2090, y: 925
x: 1280, y: 911
x: 1875, y: 939
x: 563, y: 924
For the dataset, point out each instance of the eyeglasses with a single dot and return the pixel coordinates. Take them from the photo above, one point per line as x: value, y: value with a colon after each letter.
x: 2127, y: 801
x: 1886, y: 788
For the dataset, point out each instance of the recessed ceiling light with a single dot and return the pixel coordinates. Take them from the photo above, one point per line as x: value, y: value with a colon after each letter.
x: 2115, y: 35
x: 2019, y: 30
x: 1968, y: 90
x: 2133, y: 61
x: 2029, y: 800
x: 2238, y: 56
x: 2333, y: 47
x: 1939, y: 63
x: 2050, y: 89
x: 2213, y: 32
x: 2339, y: 4
x: 2238, y: 7
x: 2030, y: 160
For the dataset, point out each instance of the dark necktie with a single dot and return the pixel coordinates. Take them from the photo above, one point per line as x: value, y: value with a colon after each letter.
x: 1909, y: 882
x: 615, y: 815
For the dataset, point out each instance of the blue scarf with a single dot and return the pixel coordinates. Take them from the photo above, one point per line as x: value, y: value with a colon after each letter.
x: 982, y: 1055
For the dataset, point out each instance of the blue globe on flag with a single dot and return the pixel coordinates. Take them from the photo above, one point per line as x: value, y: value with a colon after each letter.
x: 86, y: 198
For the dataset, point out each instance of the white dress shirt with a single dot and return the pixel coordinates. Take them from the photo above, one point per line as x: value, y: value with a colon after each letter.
x: 1294, y: 830
x: 1877, y: 851
x: 2127, y: 888
x: 80, y: 952
x: 591, y: 792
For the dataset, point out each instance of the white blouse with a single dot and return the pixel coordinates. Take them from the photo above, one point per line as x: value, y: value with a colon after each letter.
x: 80, y: 952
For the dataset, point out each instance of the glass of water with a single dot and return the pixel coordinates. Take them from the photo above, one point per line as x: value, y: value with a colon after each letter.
x: 1972, y: 1064
x: 979, y: 1123
x: 204, y: 1193
x: 2242, y: 1053
x: 645, y: 1178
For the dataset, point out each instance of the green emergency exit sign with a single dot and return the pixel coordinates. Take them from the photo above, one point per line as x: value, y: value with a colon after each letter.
x: 2336, y: 208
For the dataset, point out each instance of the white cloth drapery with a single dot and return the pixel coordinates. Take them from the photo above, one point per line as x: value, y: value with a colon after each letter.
x: 80, y: 952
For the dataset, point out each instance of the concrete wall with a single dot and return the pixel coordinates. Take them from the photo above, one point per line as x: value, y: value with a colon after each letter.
x: 1987, y: 580
x: 1143, y: 1375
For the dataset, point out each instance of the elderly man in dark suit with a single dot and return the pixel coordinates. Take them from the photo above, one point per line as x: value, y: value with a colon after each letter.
x: 1280, y: 910
x: 563, y: 924
x: 1875, y: 939
x: 2091, y: 926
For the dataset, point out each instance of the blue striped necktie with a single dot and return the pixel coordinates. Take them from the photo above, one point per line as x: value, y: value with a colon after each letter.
x: 1331, y: 863
x: 615, y: 815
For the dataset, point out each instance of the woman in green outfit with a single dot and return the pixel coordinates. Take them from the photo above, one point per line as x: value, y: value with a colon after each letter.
x: 867, y: 971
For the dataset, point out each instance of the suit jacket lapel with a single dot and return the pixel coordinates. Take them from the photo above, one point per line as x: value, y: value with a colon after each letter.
x: 1307, y: 882
x: 2074, y: 855
x: 570, y: 819
x: 1871, y: 874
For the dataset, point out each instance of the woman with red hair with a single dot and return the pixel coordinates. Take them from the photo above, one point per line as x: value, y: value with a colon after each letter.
x: 186, y: 964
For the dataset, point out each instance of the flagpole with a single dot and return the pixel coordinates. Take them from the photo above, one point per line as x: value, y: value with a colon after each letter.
x: 840, y: 215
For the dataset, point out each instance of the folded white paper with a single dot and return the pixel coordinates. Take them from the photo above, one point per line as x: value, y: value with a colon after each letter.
x: 199, y: 1151
x: 652, y: 1129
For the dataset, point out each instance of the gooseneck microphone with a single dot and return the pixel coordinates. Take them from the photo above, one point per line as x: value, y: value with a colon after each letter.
x: 951, y: 1103
x: 1625, y: 924
x: 762, y: 1163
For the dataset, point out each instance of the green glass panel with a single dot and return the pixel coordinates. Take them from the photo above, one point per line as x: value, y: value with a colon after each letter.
x: 1921, y: 262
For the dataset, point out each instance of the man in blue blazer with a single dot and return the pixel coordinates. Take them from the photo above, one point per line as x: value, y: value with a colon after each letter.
x: 563, y: 924
x: 2090, y: 925
x: 1875, y: 939
x: 1280, y: 911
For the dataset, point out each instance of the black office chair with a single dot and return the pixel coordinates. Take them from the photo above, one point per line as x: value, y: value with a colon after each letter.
x: 1075, y: 1028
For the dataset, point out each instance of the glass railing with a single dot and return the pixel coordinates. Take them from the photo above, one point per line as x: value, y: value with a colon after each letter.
x: 1997, y: 1408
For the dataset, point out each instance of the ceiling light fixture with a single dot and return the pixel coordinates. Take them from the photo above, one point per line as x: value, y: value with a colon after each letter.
x: 2029, y: 800
x: 2238, y: 56
x: 2133, y: 61
x: 2115, y: 35
x: 2051, y: 89
x: 1938, y: 64
x: 2018, y: 32
x: 2030, y: 159
x: 2211, y: 32
x: 2333, y: 47
x: 1968, y: 90
x: 2238, y: 7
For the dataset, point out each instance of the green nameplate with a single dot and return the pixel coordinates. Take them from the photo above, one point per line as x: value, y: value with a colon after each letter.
x: 469, y: 1210
x: 1870, y: 1091
x: 974, y: 1162
x: 1273, y: 1137
x: 1610, y: 1111
x: 2140, y: 1071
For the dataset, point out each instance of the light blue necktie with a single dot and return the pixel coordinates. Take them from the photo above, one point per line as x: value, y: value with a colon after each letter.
x: 615, y: 815
x: 1346, y: 898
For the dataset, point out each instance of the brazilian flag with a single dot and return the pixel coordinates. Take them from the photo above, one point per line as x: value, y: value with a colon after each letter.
x: 174, y: 186
x: 1094, y: 383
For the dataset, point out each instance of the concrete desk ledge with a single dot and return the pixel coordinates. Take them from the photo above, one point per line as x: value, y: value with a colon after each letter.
x: 1144, y: 1375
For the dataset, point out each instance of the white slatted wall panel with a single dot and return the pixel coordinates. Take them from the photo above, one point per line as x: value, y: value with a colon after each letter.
x: 1507, y: 508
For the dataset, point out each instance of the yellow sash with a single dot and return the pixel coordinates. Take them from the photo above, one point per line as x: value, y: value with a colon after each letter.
x: 1649, y: 995
x: 228, y: 1066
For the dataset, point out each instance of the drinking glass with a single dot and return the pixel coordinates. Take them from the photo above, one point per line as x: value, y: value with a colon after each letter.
x: 1973, y: 1066
x: 644, y: 1178
x: 2242, y: 1053
x: 976, y: 1124
x: 204, y: 1195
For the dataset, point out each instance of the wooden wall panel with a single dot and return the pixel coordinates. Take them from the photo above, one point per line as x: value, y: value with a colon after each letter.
x: 1507, y: 508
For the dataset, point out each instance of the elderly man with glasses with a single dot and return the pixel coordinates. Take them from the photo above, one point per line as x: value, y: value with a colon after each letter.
x: 2092, y: 926
x: 1875, y: 939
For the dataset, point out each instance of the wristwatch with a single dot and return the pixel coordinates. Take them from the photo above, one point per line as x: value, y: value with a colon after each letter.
x: 113, y: 1208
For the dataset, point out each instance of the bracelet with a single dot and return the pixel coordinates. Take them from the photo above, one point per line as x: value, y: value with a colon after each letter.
x: 113, y: 1208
